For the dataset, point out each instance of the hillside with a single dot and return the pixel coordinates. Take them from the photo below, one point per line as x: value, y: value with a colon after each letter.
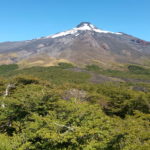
x: 82, y: 45
x: 66, y: 107
x: 81, y: 89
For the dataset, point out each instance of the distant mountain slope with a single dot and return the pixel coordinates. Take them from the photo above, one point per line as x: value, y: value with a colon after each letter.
x: 85, y: 44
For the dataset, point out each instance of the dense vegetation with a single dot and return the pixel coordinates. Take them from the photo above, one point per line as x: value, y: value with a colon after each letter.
x: 132, y: 72
x: 56, y: 108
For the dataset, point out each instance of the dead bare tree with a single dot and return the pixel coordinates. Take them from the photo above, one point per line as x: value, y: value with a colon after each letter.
x: 60, y: 125
x: 6, y: 93
x: 8, y: 88
x: 76, y: 94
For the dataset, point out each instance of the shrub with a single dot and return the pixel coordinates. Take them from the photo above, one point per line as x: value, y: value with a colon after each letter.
x: 65, y: 65
x: 93, y: 67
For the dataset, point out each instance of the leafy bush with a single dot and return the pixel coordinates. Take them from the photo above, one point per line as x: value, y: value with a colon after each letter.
x: 58, y: 109
x: 65, y: 65
x: 138, y: 69
x: 54, y: 74
x: 93, y: 68
x: 8, y: 68
x: 25, y: 80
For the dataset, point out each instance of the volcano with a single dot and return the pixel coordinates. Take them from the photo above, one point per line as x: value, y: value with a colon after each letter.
x: 82, y: 45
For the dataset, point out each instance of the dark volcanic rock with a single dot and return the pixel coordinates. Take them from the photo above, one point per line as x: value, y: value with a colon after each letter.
x: 84, y: 44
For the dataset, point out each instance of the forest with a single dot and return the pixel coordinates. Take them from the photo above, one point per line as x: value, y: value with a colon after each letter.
x: 60, y: 108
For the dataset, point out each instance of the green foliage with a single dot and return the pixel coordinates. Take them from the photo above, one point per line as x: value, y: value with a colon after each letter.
x: 54, y: 74
x: 138, y: 69
x: 65, y: 65
x: 8, y: 68
x: 25, y: 80
x: 53, y: 108
x: 132, y: 72
x: 93, y: 67
x: 122, y: 101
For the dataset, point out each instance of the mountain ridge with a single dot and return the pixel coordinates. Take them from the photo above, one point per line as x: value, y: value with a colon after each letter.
x: 82, y: 45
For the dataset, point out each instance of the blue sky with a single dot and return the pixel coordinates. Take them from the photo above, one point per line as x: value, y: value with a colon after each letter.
x: 29, y: 19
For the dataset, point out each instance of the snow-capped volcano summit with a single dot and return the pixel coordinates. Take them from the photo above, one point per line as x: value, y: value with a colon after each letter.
x: 82, y: 45
x: 86, y: 25
x: 83, y: 26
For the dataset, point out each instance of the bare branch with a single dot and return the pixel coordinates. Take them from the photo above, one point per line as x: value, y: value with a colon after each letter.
x: 60, y: 125
x: 9, y: 86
